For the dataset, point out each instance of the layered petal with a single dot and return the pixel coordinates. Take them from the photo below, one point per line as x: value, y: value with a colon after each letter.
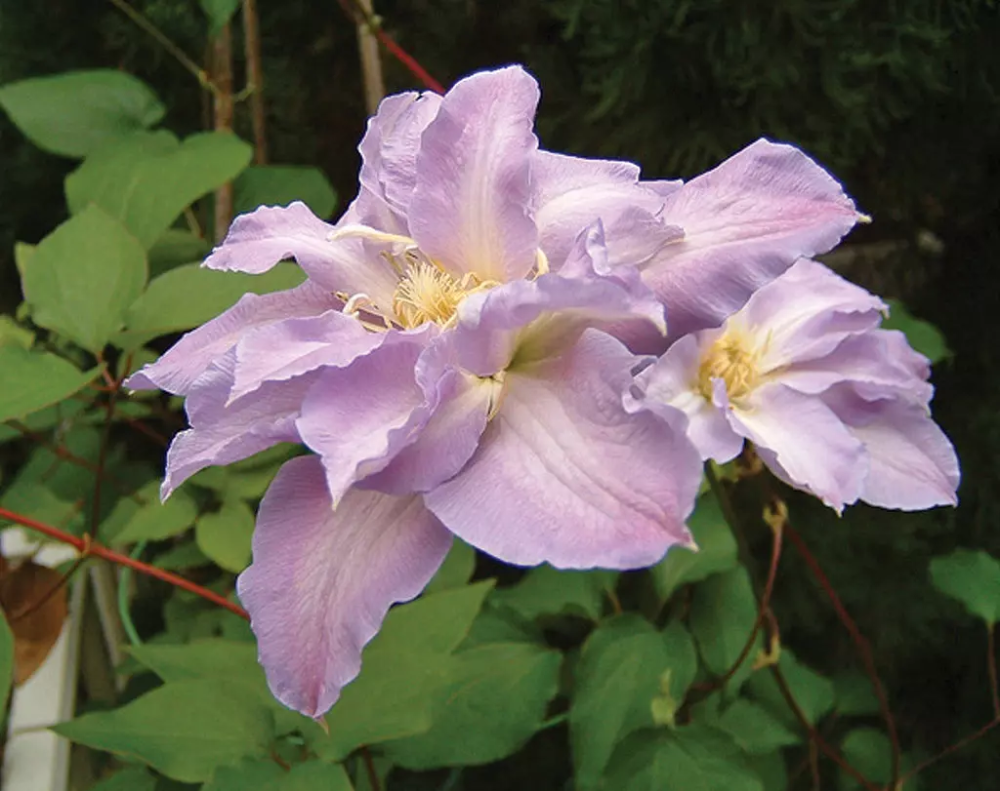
x: 322, y: 579
x: 673, y: 380
x: 912, y: 464
x: 565, y: 474
x: 533, y: 319
x: 572, y: 192
x: 259, y: 240
x: 470, y: 207
x: 188, y: 359
x: 745, y: 222
x: 289, y: 348
x: 223, y: 432
x: 803, y: 441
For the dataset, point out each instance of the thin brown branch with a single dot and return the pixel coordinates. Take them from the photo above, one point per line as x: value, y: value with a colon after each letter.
x: 366, y: 756
x: 222, y: 112
x: 255, y: 78
x: 862, y: 645
x: 371, y: 62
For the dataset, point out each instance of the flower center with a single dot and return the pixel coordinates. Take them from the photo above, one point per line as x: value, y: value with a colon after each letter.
x: 732, y: 360
x: 427, y: 293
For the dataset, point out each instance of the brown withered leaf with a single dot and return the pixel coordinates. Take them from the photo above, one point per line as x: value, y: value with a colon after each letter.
x: 35, y: 629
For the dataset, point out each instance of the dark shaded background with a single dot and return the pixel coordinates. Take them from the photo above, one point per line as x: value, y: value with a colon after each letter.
x: 899, y: 98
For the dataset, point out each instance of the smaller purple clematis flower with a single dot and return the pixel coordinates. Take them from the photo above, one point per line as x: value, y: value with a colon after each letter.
x: 833, y: 404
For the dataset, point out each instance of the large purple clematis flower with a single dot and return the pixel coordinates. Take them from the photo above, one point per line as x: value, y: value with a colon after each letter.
x: 448, y: 361
x: 833, y: 404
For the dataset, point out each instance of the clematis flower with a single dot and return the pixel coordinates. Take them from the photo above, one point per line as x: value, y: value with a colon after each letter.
x: 448, y: 374
x: 449, y: 362
x: 833, y: 404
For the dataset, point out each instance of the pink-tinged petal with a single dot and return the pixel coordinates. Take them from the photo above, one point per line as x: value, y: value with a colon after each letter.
x: 565, y: 474
x: 359, y: 417
x: 803, y: 441
x: 223, y: 432
x: 470, y: 206
x: 745, y: 222
x: 188, y: 359
x: 289, y: 348
x: 322, y: 579
x: 458, y: 407
x: 259, y: 240
x: 571, y: 193
x: 673, y: 380
x: 880, y: 362
x: 533, y: 319
x: 913, y: 465
x: 807, y: 312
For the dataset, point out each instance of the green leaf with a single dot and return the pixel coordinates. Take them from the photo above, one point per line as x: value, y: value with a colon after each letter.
x: 723, y: 612
x: 183, y: 556
x: 456, y: 570
x: 219, y: 12
x: 313, y: 776
x: 402, y: 670
x: 83, y: 276
x: 224, y: 536
x: 132, y: 778
x: 548, y: 591
x: 972, y: 577
x: 188, y: 296
x: 279, y: 185
x: 78, y: 111
x: 247, y: 776
x: 869, y: 751
x: 13, y: 334
x: 771, y: 769
x: 510, y: 683
x: 174, y: 248
x: 35, y: 380
x: 184, y: 730
x: 812, y: 692
x: 854, y: 694
x: 617, y: 680
x: 147, y: 179
x: 154, y: 520
x: 694, y: 757
x: 755, y: 729
x: 716, y: 550
x: 922, y: 335
x: 6, y: 664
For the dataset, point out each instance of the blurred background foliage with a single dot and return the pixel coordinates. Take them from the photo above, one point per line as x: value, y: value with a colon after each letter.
x: 899, y: 98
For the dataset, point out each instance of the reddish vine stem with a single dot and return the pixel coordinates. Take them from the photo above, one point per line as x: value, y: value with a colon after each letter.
x: 366, y: 756
x: 355, y: 10
x: 88, y: 547
x: 864, y: 649
x: 813, y: 734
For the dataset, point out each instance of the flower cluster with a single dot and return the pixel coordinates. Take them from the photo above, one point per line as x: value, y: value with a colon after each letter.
x: 460, y: 361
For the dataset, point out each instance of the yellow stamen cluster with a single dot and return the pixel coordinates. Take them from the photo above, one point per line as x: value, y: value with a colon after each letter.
x: 733, y: 360
x: 425, y: 294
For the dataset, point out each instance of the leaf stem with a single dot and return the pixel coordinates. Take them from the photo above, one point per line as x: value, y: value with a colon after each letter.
x: 88, y: 547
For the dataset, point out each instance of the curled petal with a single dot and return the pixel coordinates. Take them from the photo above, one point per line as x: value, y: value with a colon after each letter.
x: 188, y: 359
x: 745, y: 222
x: 565, y: 474
x: 259, y: 240
x: 222, y: 432
x: 673, y: 380
x: 532, y: 319
x: 470, y: 206
x: 322, y: 580
x: 289, y: 348
x: 803, y: 441
x: 572, y: 192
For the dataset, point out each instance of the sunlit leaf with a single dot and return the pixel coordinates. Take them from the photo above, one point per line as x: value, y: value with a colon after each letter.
x: 184, y: 730
x: 224, y: 535
x: 147, y: 179
x: 35, y: 380
x: 83, y: 276
x: 458, y: 566
x: 75, y: 112
x: 279, y: 185
x: 155, y: 521
x: 922, y: 335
